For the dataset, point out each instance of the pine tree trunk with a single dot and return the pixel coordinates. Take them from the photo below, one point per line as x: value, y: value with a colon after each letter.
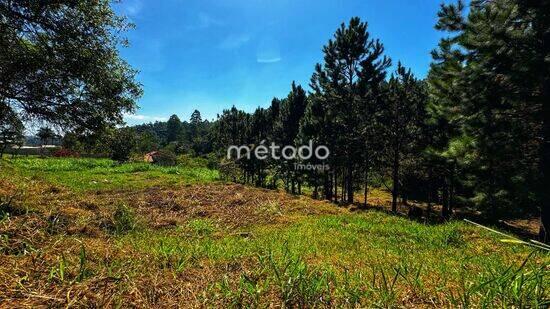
x: 544, y: 188
x: 366, y: 182
x: 451, y: 190
x: 429, y: 194
x: 445, y: 201
x: 429, y: 208
x: 350, y: 183
x: 395, y: 179
x: 342, y: 187
x: 287, y: 183
x: 335, y: 176
x: 366, y: 189
x: 327, y: 186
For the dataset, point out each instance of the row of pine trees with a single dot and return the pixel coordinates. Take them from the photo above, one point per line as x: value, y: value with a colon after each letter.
x: 473, y: 133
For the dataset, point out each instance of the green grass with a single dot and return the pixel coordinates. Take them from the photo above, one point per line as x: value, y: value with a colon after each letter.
x: 360, y: 259
x: 100, y: 174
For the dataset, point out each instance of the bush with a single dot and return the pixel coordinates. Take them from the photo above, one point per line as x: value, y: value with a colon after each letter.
x: 122, y: 143
x: 164, y: 158
x: 230, y: 170
x: 212, y: 161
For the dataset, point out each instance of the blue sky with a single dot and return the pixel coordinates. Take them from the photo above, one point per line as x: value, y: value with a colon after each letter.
x: 212, y: 54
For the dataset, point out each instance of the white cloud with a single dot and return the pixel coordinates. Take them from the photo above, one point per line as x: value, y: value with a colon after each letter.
x: 142, y: 118
x: 234, y: 41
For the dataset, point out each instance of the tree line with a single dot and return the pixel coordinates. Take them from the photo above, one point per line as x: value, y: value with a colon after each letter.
x: 375, y: 125
x: 473, y: 133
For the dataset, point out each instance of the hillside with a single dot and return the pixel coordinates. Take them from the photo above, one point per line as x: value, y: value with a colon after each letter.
x: 89, y: 232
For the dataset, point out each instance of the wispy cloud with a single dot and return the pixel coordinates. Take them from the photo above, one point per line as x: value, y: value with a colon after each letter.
x: 142, y: 118
x: 204, y: 21
x: 234, y: 41
x: 133, y: 7
x: 268, y: 60
x: 268, y: 50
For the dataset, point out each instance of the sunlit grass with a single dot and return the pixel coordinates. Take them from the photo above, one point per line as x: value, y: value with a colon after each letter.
x: 99, y: 174
x: 356, y: 253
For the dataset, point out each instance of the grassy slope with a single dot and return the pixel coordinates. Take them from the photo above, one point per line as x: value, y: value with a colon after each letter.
x: 89, y: 231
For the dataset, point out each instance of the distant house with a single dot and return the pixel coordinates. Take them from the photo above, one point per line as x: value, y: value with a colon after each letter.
x: 44, y: 150
x: 161, y: 158
x: 150, y: 156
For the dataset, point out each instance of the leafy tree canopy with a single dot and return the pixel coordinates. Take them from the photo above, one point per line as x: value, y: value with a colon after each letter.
x: 59, y: 63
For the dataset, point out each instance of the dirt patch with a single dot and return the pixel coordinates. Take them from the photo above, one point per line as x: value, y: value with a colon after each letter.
x: 233, y: 205
x: 528, y: 227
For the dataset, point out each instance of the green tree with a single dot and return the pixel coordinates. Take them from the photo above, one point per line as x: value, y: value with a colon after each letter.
x: 46, y: 135
x: 292, y: 110
x: 258, y: 134
x: 347, y: 84
x: 122, y: 143
x: 500, y: 99
x: 231, y: 129
x: 195, y: 119
x: 403, y: 116
x: 71, y: 141
x: 147, y: 142
x: 11, y: 129
x: 59, y: 63
x: 173, y: 129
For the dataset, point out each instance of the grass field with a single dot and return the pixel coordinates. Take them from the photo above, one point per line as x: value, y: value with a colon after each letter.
x: 90, y: 232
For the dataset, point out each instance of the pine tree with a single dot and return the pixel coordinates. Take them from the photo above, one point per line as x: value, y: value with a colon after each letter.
x: 500, y: 99
x: 173, y: 129
x: 402, y: 116
x: 443, y: 127
x: 315, y: 127
x: 536, y: 15
x: 292, y: 110
x: 353, y: 68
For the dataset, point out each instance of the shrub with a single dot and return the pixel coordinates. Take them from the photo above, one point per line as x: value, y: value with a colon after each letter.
x: 212, y: 161
x: 230, y: 170
x: 122, y: 143
x: 164, y: 158
x: 124, y: 219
